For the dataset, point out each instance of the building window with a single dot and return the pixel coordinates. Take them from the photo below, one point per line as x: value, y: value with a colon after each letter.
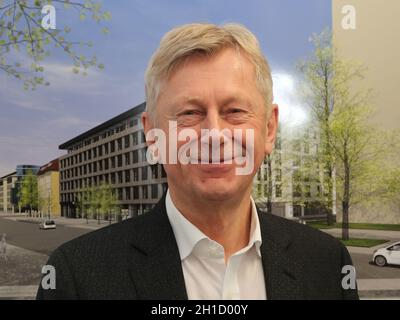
x: 278, y: 175
x: 112, y: 146
x: 119, y: 143
x: 135, y: 174
x: 135, y: 156
x: 120, y: 160
x: 135, y: 192
x: 144, y: 173
x: 135, y: 138
x: 278, y: 191
x: 154, y: 172
x: 127, y: 193
x: 144, y: 192
x: 154, y: 191
x: 143, y: 154
x: 127, y: 158
x: 127, y: 176
x: 112, y: 162
x: 126, y: 138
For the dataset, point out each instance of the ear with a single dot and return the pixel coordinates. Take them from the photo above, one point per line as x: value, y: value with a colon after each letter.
x: 272, y: 128
x: 147, y: 125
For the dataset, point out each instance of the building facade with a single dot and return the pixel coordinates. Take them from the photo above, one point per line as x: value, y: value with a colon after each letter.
x: 114, y: 153
x: 10, y: 186
x: 8, y: 192
x: 289, y: 178
x: 48, y: 180
x: 367, y: 31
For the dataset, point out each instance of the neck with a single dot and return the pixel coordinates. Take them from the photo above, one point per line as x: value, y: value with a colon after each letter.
x: 227, y: 222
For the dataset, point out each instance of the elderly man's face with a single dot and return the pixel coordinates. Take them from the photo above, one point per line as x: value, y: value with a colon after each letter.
x: 217, y: 92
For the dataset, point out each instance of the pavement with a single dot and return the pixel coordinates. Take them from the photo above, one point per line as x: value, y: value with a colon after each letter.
x: 369, y: 234
x: 373, y: 282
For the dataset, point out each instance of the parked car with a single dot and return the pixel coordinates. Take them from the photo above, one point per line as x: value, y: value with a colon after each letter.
x: 47, y: 224
x: 387, y: 255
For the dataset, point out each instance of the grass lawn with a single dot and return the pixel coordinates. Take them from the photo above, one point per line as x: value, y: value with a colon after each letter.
x: 365, y: 243
x: 366, y: 226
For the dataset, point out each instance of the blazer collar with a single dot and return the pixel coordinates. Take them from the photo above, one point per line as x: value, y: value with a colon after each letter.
x: 155, y: 264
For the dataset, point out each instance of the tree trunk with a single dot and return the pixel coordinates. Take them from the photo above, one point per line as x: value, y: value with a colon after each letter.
x: 269, y: 201
x: 345, y: 221
x: 346, y: 197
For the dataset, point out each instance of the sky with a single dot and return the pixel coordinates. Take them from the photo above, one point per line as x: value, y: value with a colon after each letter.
x: 34, y: 123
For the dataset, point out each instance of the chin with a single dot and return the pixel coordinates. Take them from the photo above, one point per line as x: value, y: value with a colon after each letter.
x: 216, y: 189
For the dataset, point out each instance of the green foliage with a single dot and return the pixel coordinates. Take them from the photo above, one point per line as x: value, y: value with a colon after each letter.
x: 22, y: 34
x: 98, y: 201
x: 28, y: 193
x: 352, y: 152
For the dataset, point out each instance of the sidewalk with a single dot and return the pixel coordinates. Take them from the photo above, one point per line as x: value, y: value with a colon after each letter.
x: 379, y: 288
x: 67, y: 222
x: 367, y: 234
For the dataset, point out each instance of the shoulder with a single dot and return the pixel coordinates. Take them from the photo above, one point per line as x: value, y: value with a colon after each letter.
x: 301, y: 238
x: 104, y: 241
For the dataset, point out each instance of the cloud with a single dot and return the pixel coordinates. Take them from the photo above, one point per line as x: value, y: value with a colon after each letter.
x: 291, y: 111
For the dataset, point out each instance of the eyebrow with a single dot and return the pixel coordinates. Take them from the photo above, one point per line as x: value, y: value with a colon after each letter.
x: 196, y: 100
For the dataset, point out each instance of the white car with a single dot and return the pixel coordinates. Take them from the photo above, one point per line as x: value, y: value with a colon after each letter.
x: 47, y: 224
x: 387, y: 255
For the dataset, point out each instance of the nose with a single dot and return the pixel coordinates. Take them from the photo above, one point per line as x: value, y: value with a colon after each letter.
x: 212, y: 120
x: 213, y: 135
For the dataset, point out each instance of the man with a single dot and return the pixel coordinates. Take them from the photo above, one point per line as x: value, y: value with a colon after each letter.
x: 205, y: 239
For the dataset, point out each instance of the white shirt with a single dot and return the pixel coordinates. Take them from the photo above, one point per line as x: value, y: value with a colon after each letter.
x: 203, y: 262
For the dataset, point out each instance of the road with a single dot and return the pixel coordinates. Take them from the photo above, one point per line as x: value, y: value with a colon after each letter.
x: 367, y: 270
x: 27, y: 235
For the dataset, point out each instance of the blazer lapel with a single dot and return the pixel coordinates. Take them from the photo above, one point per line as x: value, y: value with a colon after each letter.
x: 281, y: 272
x: 155, y: 264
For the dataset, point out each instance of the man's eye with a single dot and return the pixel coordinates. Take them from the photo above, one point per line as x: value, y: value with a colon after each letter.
x: 188, y: 113
x: 235, y: 110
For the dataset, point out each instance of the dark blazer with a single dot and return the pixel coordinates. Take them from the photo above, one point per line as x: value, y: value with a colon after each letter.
x: 139, y: 259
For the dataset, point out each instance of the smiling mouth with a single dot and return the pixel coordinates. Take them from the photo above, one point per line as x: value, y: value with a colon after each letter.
x: 230, y: 160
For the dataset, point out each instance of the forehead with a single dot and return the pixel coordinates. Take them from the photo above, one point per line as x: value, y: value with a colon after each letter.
x: 227, y: 72
x: 226, y: 60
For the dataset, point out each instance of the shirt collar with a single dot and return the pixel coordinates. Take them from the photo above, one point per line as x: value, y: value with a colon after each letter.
x: 188, y: 235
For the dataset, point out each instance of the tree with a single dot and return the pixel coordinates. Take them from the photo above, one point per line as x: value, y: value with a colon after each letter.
x: 108, y: 201
x: 28, y: 194
x: 45, y: 203
x: 83, y: 203
x: 22, y: 34
x: 351, y: 150
x: 319, y: 92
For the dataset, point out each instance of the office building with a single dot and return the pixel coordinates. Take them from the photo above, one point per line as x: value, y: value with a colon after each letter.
x: 114, y: 153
